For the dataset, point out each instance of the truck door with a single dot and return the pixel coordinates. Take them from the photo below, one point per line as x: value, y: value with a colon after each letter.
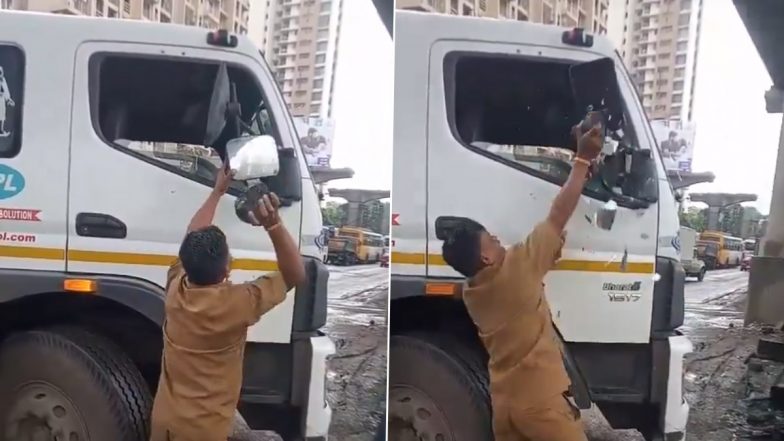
x: 498, y: 122
x: 34, y: 124
x: 139, y: 173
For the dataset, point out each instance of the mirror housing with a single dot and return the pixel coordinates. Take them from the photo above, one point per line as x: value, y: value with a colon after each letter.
x: 641, y: 182
x: 605, y: 217
x: 253, y: 157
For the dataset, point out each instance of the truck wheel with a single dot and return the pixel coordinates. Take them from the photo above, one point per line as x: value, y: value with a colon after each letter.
x: 445, y: 398
x: 70, y: 384
x: 701, y: 275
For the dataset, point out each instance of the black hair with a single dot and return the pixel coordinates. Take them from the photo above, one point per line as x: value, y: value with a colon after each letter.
x: 462, y: 249
x: 204, y: 255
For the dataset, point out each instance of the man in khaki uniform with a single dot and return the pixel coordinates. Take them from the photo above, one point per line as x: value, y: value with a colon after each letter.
x: 206, y: 323
x: 505, y: 298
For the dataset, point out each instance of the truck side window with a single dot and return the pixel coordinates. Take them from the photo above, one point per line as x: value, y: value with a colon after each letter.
x: 12, y: 69
x: 514, y: 109
x: 155, y: 109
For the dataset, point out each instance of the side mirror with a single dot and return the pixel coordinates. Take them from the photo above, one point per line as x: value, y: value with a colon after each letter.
x: 605, y: 217
x: 253, y: 157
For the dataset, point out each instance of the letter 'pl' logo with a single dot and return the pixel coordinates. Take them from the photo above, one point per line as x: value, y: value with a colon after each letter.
x: 11, y: 182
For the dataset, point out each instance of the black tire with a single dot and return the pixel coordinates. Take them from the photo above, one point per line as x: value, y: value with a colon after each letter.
x: 452, y: 375
x: 701, y: 275
x: 106, y: 392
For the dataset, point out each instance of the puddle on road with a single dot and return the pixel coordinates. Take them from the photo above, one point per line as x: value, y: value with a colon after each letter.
x: 352, y: 317
x: 706, y: 318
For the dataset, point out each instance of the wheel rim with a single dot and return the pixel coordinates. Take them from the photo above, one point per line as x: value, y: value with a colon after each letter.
x: 40, y: 411
x: 414, y: 416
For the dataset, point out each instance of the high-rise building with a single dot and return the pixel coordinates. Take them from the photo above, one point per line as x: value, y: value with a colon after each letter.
x: 591, y: 15
x: 658, y: 40
x: 300, y: 41
x: 231, y: 15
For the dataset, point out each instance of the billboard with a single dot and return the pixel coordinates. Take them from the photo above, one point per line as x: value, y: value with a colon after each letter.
x: 315, y: 135
x: 676, y: 143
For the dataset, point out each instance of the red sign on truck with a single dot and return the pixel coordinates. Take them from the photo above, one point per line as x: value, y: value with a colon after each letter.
x: 19, y: 214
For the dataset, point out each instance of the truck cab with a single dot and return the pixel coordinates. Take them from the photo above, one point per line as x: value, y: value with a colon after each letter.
x: 483, y: 111
x: 110, y: 146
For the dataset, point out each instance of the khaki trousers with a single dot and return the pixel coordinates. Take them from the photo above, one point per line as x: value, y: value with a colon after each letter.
x: 553, y: 419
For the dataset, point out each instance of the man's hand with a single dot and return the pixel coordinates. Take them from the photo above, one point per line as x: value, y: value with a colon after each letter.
x: 11, y: 102
x: 589, y: 144
x: 223, y: 179
x: 286, y: 248
x: 206, y: 213
x: 266, y: 211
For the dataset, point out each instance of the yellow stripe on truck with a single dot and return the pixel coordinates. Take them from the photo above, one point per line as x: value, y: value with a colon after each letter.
x: 120, y: 258
x: 596, y: 266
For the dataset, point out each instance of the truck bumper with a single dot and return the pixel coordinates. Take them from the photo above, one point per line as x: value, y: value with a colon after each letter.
x: 319, y: 413
x: 676, y: 412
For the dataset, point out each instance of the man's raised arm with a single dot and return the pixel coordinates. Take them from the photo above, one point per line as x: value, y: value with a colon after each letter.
x: 270, y: 289
x: 589, y: 145
x: 206, y: 213
x: 543, y: 245
x: 286, y: 250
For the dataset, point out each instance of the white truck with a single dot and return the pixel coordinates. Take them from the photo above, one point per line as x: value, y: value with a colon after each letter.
x: 482, y: 115
x: 90, y: 221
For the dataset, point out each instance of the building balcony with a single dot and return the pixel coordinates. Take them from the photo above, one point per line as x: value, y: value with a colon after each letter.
x: 423, y: 5
x: 68, y: 7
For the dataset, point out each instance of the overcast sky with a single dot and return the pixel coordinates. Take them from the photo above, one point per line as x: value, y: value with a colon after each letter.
x: 363, y: 99
x: 736, y: 139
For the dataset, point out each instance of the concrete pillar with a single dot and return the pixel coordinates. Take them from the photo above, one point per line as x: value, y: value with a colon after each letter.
x: 353, y: 213
x: 766, y: 281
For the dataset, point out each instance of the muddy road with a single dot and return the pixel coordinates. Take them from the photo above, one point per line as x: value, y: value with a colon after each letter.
x: 716, y: 370
x: 357, y: 324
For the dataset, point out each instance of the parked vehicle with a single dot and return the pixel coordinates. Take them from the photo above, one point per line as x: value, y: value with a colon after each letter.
x: 694, y: 267
x: 692, y: 264
x: 370, y: 245
x: 745, y: 265
x: 721, y: 250
x: 343, y: 251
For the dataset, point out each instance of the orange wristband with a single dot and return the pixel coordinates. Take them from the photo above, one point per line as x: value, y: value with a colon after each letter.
x: 273, y: 227
x: 580, y: 160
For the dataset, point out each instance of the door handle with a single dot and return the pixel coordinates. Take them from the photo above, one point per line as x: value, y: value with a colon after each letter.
x: 100, y: 225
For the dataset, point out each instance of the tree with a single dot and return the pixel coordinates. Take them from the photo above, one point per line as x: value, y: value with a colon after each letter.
x: 334, y: 214
x: 694, y: 218
x: 371, y: 215
x: 731, y: 221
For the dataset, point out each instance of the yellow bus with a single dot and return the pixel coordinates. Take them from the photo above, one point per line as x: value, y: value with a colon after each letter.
x: 370, y: 244
x: 719, y: 250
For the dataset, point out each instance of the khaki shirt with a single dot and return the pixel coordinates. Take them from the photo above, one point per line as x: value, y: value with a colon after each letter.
x: 506, y: 302
x: 203, y: 346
